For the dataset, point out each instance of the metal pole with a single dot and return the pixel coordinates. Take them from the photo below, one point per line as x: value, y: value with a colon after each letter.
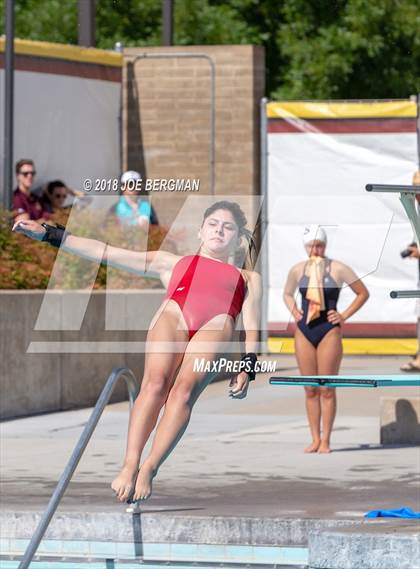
x: 86, y: 36
x: 212, y: 151
x: 119, y: 47
x: 404, y: 294
x: 167, y: 22
x: 212, y: 126
x: 8, y: 105
x: 71, y: 466
x: 407, y: 198
x: 418, y: 130
x: 409, y: 204
x: 392, y: 188
x: 264, y: 224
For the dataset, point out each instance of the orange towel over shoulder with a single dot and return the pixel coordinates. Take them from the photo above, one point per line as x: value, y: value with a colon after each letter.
x: 315, y: 292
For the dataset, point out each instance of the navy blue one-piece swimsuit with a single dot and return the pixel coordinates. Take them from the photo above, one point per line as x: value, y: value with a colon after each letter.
x: 317, y: 328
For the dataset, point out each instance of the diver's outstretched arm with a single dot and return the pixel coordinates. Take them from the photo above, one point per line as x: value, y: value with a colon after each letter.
x: 134, y: 261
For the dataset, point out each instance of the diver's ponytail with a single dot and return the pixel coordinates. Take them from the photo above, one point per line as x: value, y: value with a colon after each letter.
x: 251, y: 253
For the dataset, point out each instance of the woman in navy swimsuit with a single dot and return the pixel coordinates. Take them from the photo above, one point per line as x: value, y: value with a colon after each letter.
x: 318, y: 335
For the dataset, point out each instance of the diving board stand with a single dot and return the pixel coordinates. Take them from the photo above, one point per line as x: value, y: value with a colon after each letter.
x: 348, y: 380
x: 408, y: 200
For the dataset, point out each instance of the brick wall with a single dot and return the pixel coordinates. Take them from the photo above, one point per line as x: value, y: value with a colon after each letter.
x: 166, y: 119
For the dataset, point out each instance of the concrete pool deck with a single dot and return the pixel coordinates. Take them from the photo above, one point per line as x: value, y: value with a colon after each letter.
x: 237, y: 459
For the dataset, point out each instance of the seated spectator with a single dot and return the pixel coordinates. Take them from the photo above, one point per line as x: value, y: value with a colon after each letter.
x: 54, y: 196
x: 134, y: 208
x: 26, y: 205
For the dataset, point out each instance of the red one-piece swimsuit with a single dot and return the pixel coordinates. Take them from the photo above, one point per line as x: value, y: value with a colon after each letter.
x: 203, y: 288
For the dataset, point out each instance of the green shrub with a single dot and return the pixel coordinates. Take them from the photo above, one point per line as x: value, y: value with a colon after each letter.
x: 28, y: 264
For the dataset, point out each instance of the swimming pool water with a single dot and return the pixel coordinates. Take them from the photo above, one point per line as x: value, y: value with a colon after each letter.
x: 111, y: 554
x: 63, y: 554
x: 126, y: 564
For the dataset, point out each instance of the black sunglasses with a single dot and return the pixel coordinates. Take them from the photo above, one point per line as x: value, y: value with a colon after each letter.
x: 28, y: 173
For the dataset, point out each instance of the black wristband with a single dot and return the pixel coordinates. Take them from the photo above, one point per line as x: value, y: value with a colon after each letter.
x: 54, y: 235
x: 250, y: 359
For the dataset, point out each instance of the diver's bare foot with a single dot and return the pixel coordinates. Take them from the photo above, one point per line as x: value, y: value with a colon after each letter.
x: 123, y: 485
x: 145, y: 476
x: 313, y: 447
x: 324, y: 447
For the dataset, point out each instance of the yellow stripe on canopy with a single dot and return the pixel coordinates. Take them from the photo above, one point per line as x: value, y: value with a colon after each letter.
x: 66, y: 52
x: 342, y: 110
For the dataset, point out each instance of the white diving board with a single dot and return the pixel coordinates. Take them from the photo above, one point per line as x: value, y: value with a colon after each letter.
x: 348, y: 380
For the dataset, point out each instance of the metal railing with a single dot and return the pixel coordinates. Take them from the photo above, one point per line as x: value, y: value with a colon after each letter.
x: 79, y: 449
x: 404, y: 294
x: 407, y: 198
x: 264, y: 222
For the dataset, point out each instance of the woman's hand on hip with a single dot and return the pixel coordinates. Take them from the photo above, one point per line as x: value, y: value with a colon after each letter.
x: 335, y: 317
x: 238, y: 386
x: 30, y: 228
x: 297, y: 314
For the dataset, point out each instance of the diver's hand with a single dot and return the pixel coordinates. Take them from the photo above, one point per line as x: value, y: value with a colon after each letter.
x: 238, y: 386
x: 30, y: 228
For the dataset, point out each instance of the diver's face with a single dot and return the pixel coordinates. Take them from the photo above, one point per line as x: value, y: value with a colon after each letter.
x: 316, y: 248
x: 219, y: 232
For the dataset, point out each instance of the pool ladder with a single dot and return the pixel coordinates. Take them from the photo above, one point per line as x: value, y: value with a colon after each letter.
x: 133, y: 389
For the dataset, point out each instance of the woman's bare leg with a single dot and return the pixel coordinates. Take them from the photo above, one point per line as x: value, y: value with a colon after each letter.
x: 329, y: 355
x: 182, y: 396
x: 159, y: 374
x: 307, y: 362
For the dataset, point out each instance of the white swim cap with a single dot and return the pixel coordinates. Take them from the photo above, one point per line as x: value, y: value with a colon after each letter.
x: 130, y: 175
x: 314, y: 233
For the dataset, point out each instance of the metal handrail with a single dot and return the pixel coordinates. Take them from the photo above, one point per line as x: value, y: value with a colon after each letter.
x: 407, y: 198
x: 133, y: 389
x: 404, y: 294
x: 392, y: 189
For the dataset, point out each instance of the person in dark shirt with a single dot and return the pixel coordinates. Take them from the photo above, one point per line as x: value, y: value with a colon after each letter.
x: 26, y: 205
x: 54, y: 196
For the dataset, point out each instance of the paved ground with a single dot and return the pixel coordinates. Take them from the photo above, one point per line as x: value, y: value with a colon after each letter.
x: 240, y: 458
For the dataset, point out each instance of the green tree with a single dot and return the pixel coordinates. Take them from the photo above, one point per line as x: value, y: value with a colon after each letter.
x: 314, y: 48
x: 134, y: 22
x: 45, y: 20
x: 349, y: 49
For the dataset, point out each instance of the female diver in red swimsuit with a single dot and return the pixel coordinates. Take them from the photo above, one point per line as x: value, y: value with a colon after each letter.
x: 204, y: 296
x: 318, y: 344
